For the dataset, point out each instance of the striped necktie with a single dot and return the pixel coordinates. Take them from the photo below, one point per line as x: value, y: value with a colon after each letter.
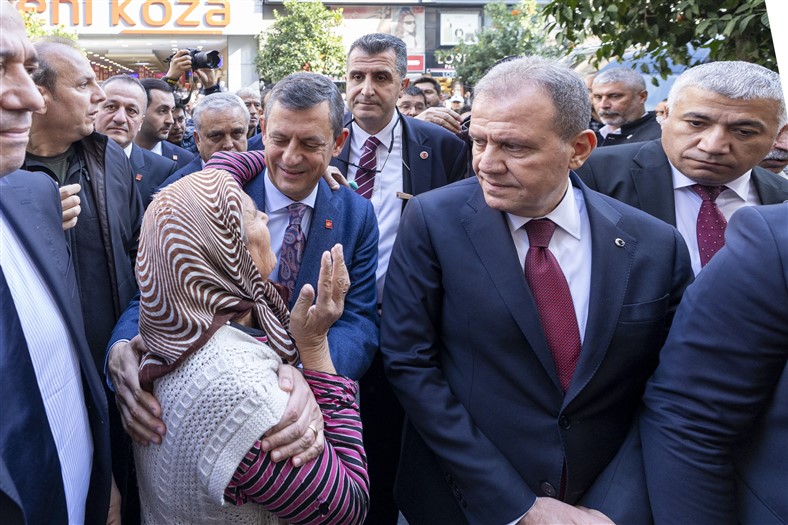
x: 365, y: 176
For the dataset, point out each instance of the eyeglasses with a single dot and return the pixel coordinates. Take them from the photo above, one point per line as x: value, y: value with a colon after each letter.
x: 407, y: 106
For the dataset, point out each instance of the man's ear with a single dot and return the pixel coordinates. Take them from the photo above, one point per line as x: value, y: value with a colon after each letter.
x: 643, y: 95
x: 582, y: 146
x: 48, y: 98
x: 340, y: 142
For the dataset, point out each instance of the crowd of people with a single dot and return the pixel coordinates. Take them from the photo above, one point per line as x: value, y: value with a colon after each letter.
x: 551, y: 307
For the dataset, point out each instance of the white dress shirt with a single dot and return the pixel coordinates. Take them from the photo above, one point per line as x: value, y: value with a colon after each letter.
x: 571, y: 246
x: 739, y: 193
x: 56, y: 367
x: 156, y: 148
x: 127, y: 150
x: 388, y: 207
x: 276, y: 204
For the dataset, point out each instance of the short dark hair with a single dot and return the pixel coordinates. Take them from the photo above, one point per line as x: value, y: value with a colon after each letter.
x: 422, y: 80
x: 413, y: 91
x: 45, y: 74
x: 377, y: 43
x: 155, y: 84
x: 126, y: 79
x: 306, y: 90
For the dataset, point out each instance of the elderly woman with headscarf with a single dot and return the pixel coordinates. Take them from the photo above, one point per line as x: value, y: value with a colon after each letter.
x: 215, y: 331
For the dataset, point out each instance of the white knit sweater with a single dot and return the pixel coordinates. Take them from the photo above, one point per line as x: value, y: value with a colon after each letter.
x: 215, y: 405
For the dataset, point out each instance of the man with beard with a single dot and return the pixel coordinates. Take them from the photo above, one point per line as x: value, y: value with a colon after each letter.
x: 619, y: 97
x: 251, y: 98
x: 158, y: 121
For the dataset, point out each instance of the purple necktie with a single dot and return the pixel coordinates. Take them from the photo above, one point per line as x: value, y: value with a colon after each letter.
x: 710, y: 228
x: 553, y: 299
x: 365, y: 176
x: 292, y: 248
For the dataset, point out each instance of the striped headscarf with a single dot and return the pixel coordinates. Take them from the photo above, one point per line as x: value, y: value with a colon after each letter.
x: 195, y: 274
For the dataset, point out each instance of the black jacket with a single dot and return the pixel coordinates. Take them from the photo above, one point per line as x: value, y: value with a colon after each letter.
x: 643, y: 129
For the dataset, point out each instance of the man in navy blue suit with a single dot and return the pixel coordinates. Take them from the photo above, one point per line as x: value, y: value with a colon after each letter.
x: 721, y: 121
x: 411, y: 157
x: 523, y: 315
x: 158, y: 120
x: 303, y: 129
x: 715, y: 426
x: 54, y: 438
x: 120, y: 118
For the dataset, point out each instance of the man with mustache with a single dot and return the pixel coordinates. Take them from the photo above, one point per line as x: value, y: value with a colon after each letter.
x: 120, y: 118
x: 619, y: 97
x: 722, y: 119
x: 158, y: 121
x: 777, y: 159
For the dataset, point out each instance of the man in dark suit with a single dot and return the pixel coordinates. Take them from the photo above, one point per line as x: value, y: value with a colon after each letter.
x: 619, y: 96
x: 410, y: 157
x: 54, y: 440
x: 219, y: 120
x: 715, y: 426
x: 303, y: 129
x: 158, y: 120
x: 523, y: 315
x: 120, y: 118
x: 722, y: 119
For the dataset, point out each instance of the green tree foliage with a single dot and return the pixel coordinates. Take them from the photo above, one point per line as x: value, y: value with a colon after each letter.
x: 303, y: 39
x: 519, y: 30
x: 662, y: 29
x: 35, y: 26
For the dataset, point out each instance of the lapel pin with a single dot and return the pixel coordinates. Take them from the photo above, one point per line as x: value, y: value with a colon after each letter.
x: 329, y: 224
x: 138, y: 177
x: 620, y: 243
x: 424, y: 155
x: 175, y: 157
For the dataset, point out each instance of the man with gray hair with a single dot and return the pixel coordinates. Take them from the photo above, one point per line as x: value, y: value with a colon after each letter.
x: 251, y: 97
x: 619, y: 97
x: 721, y: 120
x: 221, y: 121
x: 303, y: 130
x: 516, y: 347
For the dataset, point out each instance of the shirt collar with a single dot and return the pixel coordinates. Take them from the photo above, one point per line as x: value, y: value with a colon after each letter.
x: 740, y: 186
x: 384, y: 135
x: 157, y: 148
x: 275, y: 200
x: 127, y: 149
x: 566, y: 215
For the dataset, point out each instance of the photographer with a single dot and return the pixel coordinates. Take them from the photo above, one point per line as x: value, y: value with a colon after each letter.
x: 181, y: 62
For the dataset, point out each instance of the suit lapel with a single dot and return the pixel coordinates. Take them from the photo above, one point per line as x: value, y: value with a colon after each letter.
x: 489, y: 234
x: 418, y: 157
x: 137, y: 160
x: 653, y: 181
x: 766, y: 184
x: 610, y: 267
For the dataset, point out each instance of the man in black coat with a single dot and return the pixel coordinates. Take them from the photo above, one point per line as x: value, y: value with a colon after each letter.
x: 619, y: 97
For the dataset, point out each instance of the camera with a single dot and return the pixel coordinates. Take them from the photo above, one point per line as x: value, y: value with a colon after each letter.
x: 202, y: 59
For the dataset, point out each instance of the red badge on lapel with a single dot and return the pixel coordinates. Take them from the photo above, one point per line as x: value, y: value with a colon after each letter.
x: 329, y: 224
x: 424, y: 155
x: 138, y: 177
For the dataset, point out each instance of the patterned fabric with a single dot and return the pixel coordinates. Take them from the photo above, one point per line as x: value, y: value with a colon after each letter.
x: 711, y: 223
x: 243, y: 166
x: 195, y: 273
x: 334, y: 488
x: 553, y: 299
x: 292, y: 250
x: 365, y: 176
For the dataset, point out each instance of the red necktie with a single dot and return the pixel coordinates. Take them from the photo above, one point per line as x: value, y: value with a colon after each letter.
x: 553, y: 299
x: 292, y: 248
x: 710, y: 228
x: 365, y: 176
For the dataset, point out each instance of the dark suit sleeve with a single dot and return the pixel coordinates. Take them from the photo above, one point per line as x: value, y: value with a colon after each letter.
x: 354, y: 338
x: 718, y: 370
x: 459, y: 166
x: 490, y: 488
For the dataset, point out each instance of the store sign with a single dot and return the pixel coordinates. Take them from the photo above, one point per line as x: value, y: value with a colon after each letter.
x: 415, y: 63
x: 150, y: 16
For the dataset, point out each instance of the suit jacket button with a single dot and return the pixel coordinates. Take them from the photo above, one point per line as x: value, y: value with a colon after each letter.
x: 564, y: 422
x: 548, y: 489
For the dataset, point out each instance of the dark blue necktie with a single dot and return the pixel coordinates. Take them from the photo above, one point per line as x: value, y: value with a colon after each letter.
x: 26, y: 444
